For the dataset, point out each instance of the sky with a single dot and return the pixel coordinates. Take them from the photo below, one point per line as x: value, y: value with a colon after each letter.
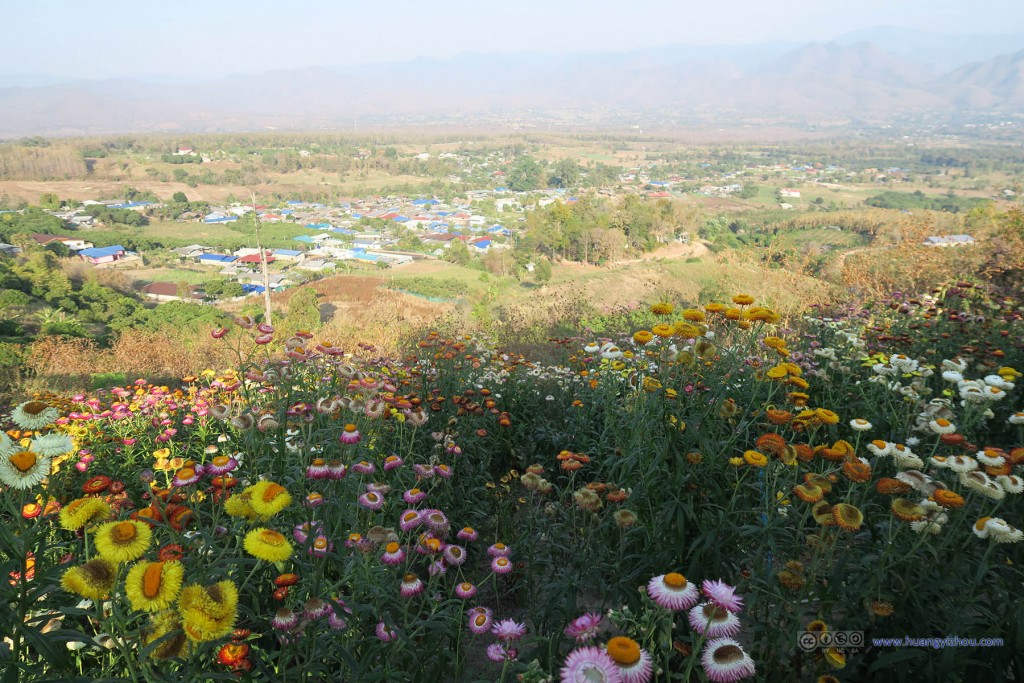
x: 190, y: 39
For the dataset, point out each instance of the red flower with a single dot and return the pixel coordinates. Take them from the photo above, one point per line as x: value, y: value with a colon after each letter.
x: 170, y: 552
x: 97, y: 484
x: 232, y: 654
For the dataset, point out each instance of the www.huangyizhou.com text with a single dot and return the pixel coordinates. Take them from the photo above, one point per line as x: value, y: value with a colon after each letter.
x: 937, y: 643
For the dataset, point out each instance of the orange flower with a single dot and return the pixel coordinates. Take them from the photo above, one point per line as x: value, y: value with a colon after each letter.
x: 771, y: 443
x: 857, y: 471
x: 778, y: 417
x: 888, y: 486
x: 948, y: 499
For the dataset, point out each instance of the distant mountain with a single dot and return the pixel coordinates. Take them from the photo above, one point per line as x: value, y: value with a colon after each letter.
x: 809, y: 83
x: 938, y: 53
x: 992, y: 83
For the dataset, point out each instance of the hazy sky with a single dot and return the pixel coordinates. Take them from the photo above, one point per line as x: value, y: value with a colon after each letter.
x: 111, y: 38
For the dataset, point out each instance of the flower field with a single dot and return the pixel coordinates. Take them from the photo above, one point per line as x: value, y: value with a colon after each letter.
x: 721, y: 495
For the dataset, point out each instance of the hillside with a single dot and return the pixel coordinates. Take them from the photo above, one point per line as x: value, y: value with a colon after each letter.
x: 808, y: 83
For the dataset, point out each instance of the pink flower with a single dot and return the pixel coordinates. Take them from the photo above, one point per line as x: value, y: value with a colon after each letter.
x: 219, y: 332
x: 584, y: 628
x: 508, y: 630
x: 501, y: 565
x: 480, y: 620
x: 384, y: 633
x: 722, y: 595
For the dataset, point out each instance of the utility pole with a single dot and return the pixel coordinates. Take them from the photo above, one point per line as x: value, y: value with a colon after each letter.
x: 263, y: 262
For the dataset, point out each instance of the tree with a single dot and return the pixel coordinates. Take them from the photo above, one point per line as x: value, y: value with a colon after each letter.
x: 542, y: 270
x: 525, y: 175
x: 50, y: 201
x: 458, y: 253
x: 565, y: 174
x: 303, y: 310
x: 179, y: 198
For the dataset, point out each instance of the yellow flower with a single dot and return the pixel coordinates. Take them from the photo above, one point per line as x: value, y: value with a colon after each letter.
x: 762, y: 314
x: 755, y: 459
x: 238, y: 506
x: 663, y: 330
x: 208, y: 612
x: 82, y: 511
x: 662, y: 308
x: 736, y: 462
x: 123, y: 541
x: 93, y: 580
x: 733, y: 314
x: 153, y: 586
x: 693, y: 315
x: 642, y: 337
x: 847, y: 516
x: 161, y: 625
x: 267, y: 498
x: 686, y: 330
x: 798, y: 382
x: 777, y: 372
x: 743, y: 299
x: 1008, y: 373
x: 267, y: 544
x: 826, y: 416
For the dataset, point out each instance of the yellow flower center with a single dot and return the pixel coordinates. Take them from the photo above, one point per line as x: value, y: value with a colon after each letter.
x: 465, y: 586
x: 675, y: 581
x: 625, y: 651
x: 123, y: 533
x: 350, y: 428
x: 414, y: 492
x: 23, y: 461
x: 221, y: 460
x: 392, y: 547
x: 409, y: 578
x: 152, y: 579
x: 942, y: 423
x: 320, y: 543
x: 186, y: 473
x: 480, y: 619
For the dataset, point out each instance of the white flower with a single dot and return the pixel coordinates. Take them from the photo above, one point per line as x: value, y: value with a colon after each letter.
x: 913, y: 441
x: 983, y: 484
x: 955, y: 365
x: 903, y: 363
x: 991, y: 458
x: 994, y: 393
x: 1011, y: 483
x: 591, y: 348
x: 926, y: 526
x: 999, y: 382
x: 52, y: 445
x: 880, y: 451
x: 1016, y: 418
x: 884, y: 369
x: 962, y: 463
x: 942, y: 426
x: 860, y: 424
x: 34, y: 415
x: 23, y: 469
x: 7, y: 445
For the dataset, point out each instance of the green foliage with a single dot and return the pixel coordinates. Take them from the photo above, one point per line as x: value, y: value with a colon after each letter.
x: 919, y: 200
x: 542, y: 270
x: 303, y: 311
x: 116, y: 216
x: 525, y: 175
x: 31, y: 220
x: 435, y: 287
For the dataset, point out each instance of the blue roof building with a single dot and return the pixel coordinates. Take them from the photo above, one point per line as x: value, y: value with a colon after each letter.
x: 216, y: 258
x: 100, y: 252
x: 305, y: 238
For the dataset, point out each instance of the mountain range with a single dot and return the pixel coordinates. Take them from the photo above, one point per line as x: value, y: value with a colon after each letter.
x: 848, y: 80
